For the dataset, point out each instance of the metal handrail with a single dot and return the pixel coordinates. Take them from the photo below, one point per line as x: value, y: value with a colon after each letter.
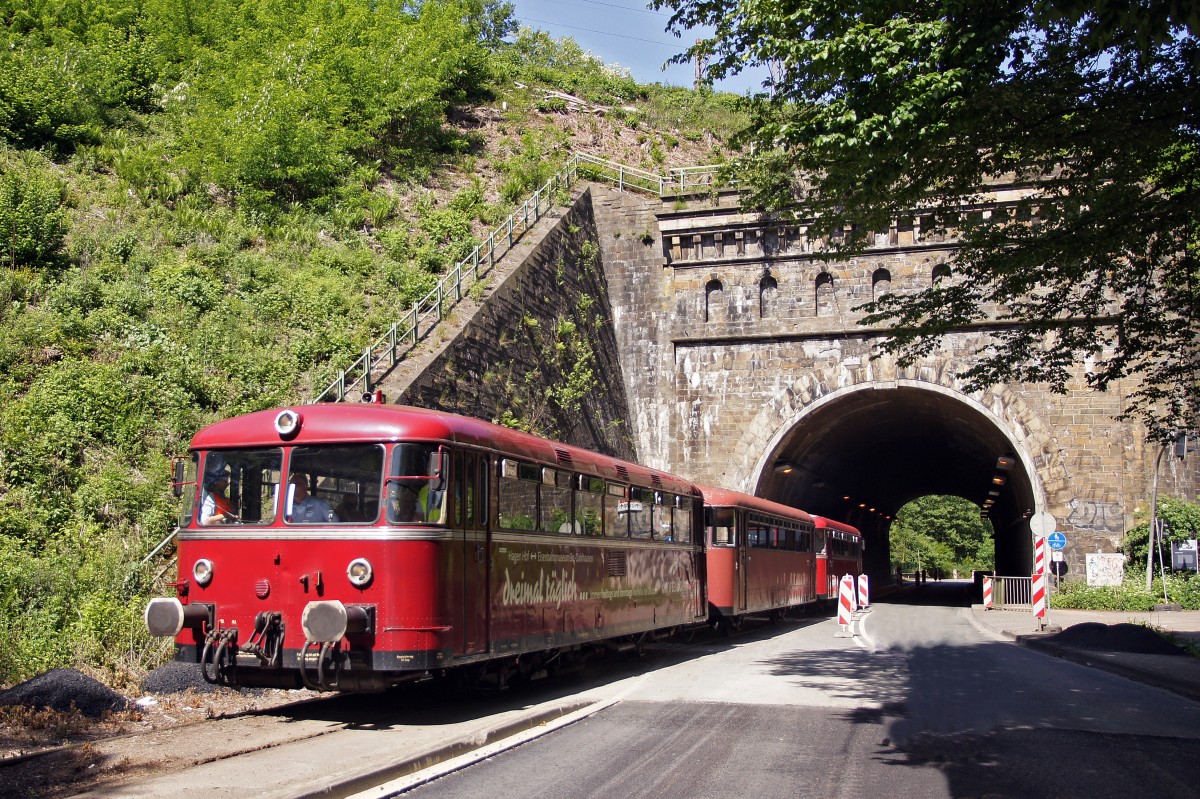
x: 404, y: 335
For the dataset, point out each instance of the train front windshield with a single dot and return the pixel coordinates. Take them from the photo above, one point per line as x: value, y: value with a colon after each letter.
x: 323, y: 485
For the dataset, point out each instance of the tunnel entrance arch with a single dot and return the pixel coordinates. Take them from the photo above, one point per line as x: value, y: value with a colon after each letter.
x: 860, y: 453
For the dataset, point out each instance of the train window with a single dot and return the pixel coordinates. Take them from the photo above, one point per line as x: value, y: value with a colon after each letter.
x: 189, y: 485
x: 589, y: 505
x: 322, y: 483
x: 661, y: 524
x: 240, y: 486
x: 518, y: 497
x: 616, y: 512
x: 482, y: 486
x: 456, y: 489
x: 415, y: 493
x: 681, y: 520
x: 556, y: 504
x: 721, y: 526
x: 640, y: 511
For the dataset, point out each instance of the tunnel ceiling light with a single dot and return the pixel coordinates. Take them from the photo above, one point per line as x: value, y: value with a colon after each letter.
x: 847, y: 497
x: 995, y: 492
x: 999, y: 479
x: 862, y: 504
x: 784, y: 467
x: 1004, y: 463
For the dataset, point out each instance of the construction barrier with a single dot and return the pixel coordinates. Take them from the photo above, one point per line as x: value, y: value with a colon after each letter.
x: 987, y: 593
x: 846, y: 601
x: 1039, y: 595
x: 1039, y: 555
x: 863, y: 597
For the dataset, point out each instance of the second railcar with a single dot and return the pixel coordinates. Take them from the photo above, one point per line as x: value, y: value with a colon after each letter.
x: 760, y: 556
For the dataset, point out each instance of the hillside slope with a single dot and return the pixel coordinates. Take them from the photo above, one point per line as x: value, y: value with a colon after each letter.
x: 210, y: 214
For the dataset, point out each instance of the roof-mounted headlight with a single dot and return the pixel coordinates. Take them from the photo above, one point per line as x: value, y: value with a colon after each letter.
x: 287, y: 423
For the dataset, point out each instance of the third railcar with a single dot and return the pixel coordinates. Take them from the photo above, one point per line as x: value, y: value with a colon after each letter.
x: 839, y: 549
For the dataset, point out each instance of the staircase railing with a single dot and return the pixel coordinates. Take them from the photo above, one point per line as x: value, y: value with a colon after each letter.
x: 404, y: 335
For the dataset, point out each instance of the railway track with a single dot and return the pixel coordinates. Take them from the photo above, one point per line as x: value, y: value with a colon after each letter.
x: 443, y: 722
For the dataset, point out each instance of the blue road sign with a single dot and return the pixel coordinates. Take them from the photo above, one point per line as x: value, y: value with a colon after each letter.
x: 1056, y: 540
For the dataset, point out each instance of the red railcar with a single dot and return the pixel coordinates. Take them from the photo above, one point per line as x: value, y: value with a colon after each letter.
x: 351, y: 547
x: 760, y: 556
x: 839, y: 552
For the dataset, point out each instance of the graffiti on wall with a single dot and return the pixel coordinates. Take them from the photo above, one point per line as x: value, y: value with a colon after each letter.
x: 1105, y: 568
x: 1091, y: 514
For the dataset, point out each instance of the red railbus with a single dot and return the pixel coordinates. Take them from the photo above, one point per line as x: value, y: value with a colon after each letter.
x: 760, y: 556
x: 839, y: 552
x: 355, y: 546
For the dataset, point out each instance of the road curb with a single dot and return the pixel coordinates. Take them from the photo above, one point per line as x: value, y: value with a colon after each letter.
x: 1096, y: 659
x: 349, y: 784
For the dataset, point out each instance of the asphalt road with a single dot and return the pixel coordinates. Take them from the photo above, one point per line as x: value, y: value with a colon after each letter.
x: 920, y: 704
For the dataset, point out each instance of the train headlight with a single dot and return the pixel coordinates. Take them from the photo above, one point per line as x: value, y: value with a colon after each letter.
x: 287, y: 423
x: 360, y: 572
x: 203, y: 571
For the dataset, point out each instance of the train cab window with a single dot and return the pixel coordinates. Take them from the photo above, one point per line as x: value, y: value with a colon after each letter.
x: 518, y: 495
x: 589, y: 504
x: 416, y: 484
x: 323, y: 481
x: 240, y: 486
x: 721, y: 525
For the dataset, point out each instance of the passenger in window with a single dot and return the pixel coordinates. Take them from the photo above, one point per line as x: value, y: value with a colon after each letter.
x: 216, y: 508
x: 406, y: 503
x: 307, y: 509
x: 348, y: 510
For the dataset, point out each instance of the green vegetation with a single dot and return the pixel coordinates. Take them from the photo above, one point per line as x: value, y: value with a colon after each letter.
x: 207, y: 209
x: 943, y: 533
x: 1181, y: 522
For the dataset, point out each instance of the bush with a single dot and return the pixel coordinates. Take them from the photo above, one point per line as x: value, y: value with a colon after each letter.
x: 32, y: 219
x: 1183, y: 588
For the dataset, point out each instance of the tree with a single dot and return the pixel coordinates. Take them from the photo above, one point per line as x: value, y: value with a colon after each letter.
x: 878, y: 108
x: 942, y: 532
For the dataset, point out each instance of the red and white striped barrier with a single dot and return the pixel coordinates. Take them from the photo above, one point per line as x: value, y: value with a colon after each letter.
x: 863, y: 594
x: 1039, y: 595
x: 987, y: 593
x: 846, y: 601
x: 1039, y: 555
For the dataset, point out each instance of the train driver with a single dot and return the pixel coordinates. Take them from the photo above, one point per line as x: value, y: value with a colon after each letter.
x: 305, y: 508
x: 216, y: 507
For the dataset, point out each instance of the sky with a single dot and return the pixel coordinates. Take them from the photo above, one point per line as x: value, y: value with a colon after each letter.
x: 623, y: 32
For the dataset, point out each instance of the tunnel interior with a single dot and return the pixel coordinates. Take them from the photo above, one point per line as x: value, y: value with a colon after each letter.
x: 862, y: 456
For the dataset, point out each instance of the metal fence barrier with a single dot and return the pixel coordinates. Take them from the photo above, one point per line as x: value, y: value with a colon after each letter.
x: 403, y: 336
x: 1012, y: 593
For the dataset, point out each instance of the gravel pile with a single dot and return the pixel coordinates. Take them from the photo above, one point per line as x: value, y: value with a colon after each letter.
x: 176, y: 677
x: 60, y: 689
x: 1132, y: 638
